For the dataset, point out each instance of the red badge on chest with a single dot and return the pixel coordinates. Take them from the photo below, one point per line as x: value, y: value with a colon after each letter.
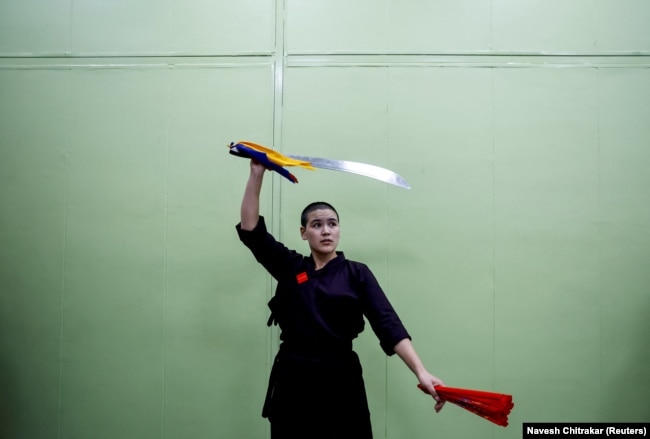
x: 302, y: 277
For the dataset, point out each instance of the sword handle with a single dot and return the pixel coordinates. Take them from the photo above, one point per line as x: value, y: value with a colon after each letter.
x: 239, y: 150
x: 236, y: 152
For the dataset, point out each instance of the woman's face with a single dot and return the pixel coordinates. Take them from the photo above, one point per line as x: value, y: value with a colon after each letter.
x: 321, y: 231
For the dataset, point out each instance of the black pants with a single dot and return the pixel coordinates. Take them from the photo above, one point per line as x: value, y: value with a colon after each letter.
x: 317, y: 396
x: 336, y: 429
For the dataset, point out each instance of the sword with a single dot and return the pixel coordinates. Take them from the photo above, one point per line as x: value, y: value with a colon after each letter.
x: 275, y: 161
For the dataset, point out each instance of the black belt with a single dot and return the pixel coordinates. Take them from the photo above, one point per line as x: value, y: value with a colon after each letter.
x: 313, y: 350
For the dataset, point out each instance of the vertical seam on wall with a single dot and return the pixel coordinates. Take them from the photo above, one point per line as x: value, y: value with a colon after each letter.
x: 599, y: 228
x: 386, y: 131
x: 65, y: 225
x: 279, y: 64
x: 278, y: 94
x: 494, y: 234
x: 165, y: 253
x: 492, y: 25
x: 64, y: 250
x: 494, y: 190
x: 600, y: 245
x: 163, y: 406
x: 70, y: 27
x: 386, y: 268
x: 165, y: 275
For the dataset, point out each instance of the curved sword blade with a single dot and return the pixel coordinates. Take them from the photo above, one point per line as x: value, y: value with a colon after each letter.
x: 364, y: 169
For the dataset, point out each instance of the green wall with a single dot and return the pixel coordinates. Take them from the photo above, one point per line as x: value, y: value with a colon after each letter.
x: 518, y: 261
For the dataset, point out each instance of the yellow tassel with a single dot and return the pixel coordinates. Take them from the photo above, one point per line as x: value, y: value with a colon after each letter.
x: 278, y: 158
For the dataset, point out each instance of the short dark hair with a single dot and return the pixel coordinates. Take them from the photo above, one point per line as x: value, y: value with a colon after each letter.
x: 316, y: 205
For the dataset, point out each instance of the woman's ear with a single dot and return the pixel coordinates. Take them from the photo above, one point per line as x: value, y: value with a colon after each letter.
x: 302, y: 233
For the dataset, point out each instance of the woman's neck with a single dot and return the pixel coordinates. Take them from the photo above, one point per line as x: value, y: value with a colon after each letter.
x: 321, y: 260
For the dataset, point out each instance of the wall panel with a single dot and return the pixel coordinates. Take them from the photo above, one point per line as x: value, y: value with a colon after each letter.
x: 114, y: 272
x: 478, y: 26
x: 546, y: 210
x: 209, y: 27
x: 123, y: 28
x: 216, y: 340
x: 441, y: 237
x: 394, y: 27
x: 624, y: 236
x: 33, y: 111
x: 34, y: 27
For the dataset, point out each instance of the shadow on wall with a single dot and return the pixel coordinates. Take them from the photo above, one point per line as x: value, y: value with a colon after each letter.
x: 6, y: 395
x: 626, y: 397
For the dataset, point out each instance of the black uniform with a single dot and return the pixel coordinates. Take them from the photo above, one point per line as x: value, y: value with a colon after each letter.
x: 316, y: 387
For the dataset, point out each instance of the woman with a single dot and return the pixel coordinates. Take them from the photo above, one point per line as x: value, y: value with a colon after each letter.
x: 316, y: 388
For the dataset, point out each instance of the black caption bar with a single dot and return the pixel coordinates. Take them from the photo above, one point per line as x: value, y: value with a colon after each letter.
x: 585, y: 430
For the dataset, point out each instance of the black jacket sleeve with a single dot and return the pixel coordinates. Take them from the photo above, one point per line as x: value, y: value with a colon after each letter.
x: 381, y: 315
x: 273, y: 255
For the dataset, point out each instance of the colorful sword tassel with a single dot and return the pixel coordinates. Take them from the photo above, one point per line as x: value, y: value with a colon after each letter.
x: 493, y: 406
x: 269, y: 158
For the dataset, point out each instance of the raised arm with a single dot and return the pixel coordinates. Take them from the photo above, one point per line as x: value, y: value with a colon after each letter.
x: 250, y: 204
x: 405, y: 350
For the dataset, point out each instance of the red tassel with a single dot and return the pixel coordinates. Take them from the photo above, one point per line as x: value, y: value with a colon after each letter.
x: 495, y: 407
